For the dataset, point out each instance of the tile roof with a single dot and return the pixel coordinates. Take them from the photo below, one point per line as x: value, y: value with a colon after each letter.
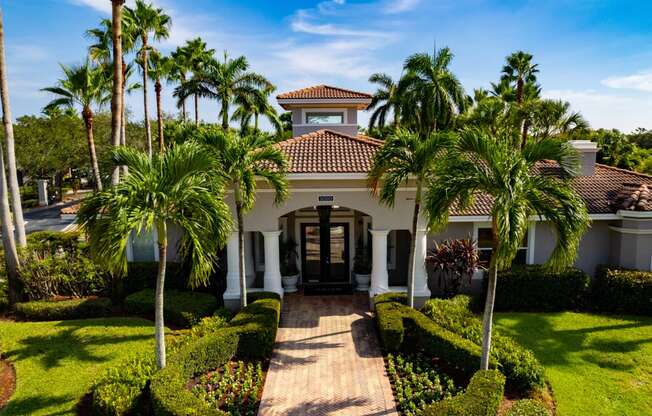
x: 326, y: 151
x: 634, y: 197
x: 323, y: 92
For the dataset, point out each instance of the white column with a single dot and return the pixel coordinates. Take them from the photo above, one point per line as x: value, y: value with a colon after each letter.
x: 272, y: 276
x: 420, y: 273
x: 42, y: 187
x: 232, y: 269
x: 379, y: 275
x: 250, y: 271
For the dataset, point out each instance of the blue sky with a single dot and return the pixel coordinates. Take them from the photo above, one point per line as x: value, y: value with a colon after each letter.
x: 596, y: 54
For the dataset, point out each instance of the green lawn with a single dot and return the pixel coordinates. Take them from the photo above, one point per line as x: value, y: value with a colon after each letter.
x: 56, y: 362
x: 597, y: 365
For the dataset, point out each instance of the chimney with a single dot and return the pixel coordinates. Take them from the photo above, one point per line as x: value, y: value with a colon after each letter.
x: 587, y: 151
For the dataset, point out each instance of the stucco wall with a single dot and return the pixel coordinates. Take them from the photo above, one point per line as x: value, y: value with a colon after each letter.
x: 632, y: 243
x: 305, y: 129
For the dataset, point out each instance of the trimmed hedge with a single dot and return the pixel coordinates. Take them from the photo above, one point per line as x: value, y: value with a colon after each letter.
x: 528, y: 407
x: 183, y: 309
x: 623, y: 291
x: 534, y: 288
x: 256, y: 327
x: 55, y: 310
x: 483, y: 397
x: 520, y: 366
x: 404, y: 329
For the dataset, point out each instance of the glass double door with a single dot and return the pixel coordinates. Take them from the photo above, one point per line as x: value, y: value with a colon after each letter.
x: 325, y: 253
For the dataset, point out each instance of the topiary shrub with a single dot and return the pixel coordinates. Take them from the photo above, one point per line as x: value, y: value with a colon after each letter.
x: 390, y: 297
x: 389, y: 319
x: 482, y: 397
x: 528, y: 407
x: 520, y: 366
x: 182, y: 309
x: 256, y: 326
x: 622, y: 291
x: 55, y: 310
x: 534, y: 288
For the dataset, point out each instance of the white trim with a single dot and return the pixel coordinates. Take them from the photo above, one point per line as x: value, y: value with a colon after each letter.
x: 635, y: 214
x: 469, y: 218
x: 604, y: 217
x: 282, y: 101
x: 305, y: 110
x: 321, y: 176
x: 326, y: 125
x: 584, y: 145
x: 635, y: 231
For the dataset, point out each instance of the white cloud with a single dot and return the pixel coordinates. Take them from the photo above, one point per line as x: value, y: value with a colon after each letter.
x: 641, y: 81
x: 27, y: 53
x: 103, y: 6
x: 400, y: 6
x: 300, y: 23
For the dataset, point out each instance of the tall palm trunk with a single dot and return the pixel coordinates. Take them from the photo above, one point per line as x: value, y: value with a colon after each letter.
x: 241, y: 258
x: 159, y: 328
x: 117, y: 102
x: 256, y: 121
x: 19, y: 222
x: 8, y: 240
x: 196, y: 110
x: 87, y: 115
x: 413, y: 241
x: 148, y: 128
x: 225, y: 115
x: 159, y: 115
x: 526, y: 127
x: 123, y: 116
x: 183, y: 101
x: 487, y: 317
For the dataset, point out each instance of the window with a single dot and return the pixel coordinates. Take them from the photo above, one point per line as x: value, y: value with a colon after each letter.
x: 324, y: 118
x: 484, y: 237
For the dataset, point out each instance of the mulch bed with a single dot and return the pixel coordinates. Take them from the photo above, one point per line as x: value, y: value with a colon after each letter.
x: 7, y: 381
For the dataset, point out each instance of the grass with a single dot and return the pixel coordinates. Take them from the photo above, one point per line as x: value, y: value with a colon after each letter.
x: 597, y: 365
x: 56, y: 362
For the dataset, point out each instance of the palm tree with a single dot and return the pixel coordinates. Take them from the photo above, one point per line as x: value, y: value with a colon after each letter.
x: 117, y: 98
x: 86, y: 86
x: 553, y: 118
x: 160, y: 68
x: 173, y: 188
x: 490, y: 165
x: 242, y: 160
x: 256, y: 105
x: 180, y: 74
x: 19, y: 223
x: 224, y: 81
x: 384, y: 100
x: 434, y: 93
x: 520, y: 70
x: 406, y: 156
x: 197, y: 56
x: 147, y: 20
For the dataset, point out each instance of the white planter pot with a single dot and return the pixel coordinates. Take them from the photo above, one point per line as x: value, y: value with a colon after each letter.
x: 290, y: 283
x: 362, y: 282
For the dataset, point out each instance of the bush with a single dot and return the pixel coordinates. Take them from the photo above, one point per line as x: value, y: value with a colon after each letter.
x: 142, y: 275
x: 220, y: 319
x: 528, y: 407
x: 54, y: 310
x: 51, y: 241
x: 623, y: 291
x: 256, y: 326
x: 407, y: 330
x: 483, y: 397
x: 4, y: 297
x: 534, y: 288
x: 183, y: 309
x: 522, y: 369
x: 390, y: 297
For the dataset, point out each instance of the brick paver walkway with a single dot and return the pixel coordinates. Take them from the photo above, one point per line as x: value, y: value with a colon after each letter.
x: 327, y: 360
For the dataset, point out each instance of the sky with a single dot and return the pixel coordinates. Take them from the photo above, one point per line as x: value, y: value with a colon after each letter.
x: 596, y: 54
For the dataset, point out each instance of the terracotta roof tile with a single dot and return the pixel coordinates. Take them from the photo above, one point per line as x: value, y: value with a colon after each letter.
x: 69, y: 210
x: 323, y: 92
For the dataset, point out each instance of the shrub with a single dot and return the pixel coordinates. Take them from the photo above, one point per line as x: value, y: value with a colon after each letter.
x: 390, y: 297
x: 53, y: 241
x: 142, y: 275
x: 220, y: 319
x: 522, y: 369
x: 482, y: 397
x: 528, y: 407
x: 455, y: 260
x: 4, y: 299
x: 256, y: 326
x: 183, y: 309
x: 54, y: 310
x: 534, y: 288
x: 623, y: 291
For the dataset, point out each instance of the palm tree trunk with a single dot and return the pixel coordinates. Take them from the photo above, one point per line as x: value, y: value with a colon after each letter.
x: 183, y: 101
x: 159, y: 116
x: 487, y: 317
x: 87, y: 115
x: 255, y: 121
x: 526, y: 127
x: 19, y: 222
x: 116, y: 99
x: 241, y: 259
x: 225, y: 115
x: 123, y: 117
x: 159, y: 327
x: 8, y: 240
x: 196, y: 110
x: 413, y: 243
x: 148, y: 128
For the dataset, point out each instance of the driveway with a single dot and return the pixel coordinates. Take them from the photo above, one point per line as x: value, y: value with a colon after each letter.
x: 46, y: 219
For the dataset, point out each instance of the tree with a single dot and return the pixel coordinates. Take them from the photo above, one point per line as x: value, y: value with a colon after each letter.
x: 255, y: 105
x: 117, y: 97
x: 385, y: 100
x: 479, y: 163
x: 224, y: 81
x: 433, y: 94
x: 160, y: 68
x: 147, y: 20
x: 615, y: 149
x: 406, y: 156
x: 553, y: 118
x: 180, y: 73
x: 19, y: 223
x: 242, y: 160
x: 196, y: 56
x: 174, y: 188
x: 520, y: 70
x: 86, y: 86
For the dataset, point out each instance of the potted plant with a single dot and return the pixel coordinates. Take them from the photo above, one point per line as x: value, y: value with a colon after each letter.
x: 289, y: 269
x: 362, y: 268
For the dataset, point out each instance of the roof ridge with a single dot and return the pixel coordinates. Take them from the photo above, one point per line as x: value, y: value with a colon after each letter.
x: 286, y: 94
x: 359, y: 138
x: 644, y: 175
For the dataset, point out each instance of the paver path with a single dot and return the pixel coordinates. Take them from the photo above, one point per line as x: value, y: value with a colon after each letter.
x: 327, y: 360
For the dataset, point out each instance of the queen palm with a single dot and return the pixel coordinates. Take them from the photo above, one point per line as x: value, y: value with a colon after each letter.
x: 117, y: 97
x: 242, y: 160
x: 254, y: 105
x: 180, y: 71
x: 197, y: 56
x: 147, y: 21
x: 86, y: 86
x: 160, y: 68
x: 175, y: 188
x: 406, y: 156
x: 386, y: 99
x: 479, y: 163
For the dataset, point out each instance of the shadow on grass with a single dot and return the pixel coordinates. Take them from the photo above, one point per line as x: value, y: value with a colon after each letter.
x: 33, y: 404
